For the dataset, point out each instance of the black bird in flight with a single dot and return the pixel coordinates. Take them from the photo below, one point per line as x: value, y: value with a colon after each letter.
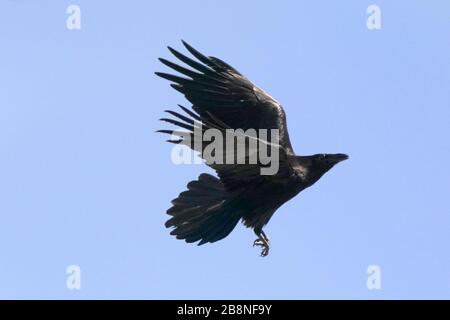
x: 222, y: 98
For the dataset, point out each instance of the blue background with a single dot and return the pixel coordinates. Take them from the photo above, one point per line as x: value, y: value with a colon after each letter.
x: 84, y: 179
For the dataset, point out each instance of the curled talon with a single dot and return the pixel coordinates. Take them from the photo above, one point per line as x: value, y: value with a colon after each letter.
x: 263, y: 242
x: 265, y: 251
x: 258, y: 243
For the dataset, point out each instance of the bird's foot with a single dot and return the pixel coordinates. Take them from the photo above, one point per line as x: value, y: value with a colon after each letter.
x: 264, y: 244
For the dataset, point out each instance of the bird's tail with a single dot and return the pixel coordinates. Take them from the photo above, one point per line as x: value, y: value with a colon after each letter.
x: 204, y: 212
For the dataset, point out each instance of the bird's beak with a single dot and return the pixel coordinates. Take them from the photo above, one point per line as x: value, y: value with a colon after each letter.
x: 338, y: 157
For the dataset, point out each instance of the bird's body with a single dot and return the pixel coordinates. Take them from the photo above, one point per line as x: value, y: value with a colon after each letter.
x: 223, y: 99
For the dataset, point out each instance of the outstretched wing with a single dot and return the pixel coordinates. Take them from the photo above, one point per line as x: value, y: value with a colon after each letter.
x: 241, y: 172
x: 217, y: 90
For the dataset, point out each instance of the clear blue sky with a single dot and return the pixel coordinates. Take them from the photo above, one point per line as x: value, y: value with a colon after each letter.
x: 84, y: 179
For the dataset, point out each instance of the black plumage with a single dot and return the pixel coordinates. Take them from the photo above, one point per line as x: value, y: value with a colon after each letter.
x: 222, y: 98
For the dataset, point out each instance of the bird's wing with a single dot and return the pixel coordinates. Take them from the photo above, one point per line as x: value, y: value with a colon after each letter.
x: 240, y: 173
x: 217, y: 90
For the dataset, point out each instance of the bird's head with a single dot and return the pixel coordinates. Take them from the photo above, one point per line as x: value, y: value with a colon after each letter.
x: 314, y: 167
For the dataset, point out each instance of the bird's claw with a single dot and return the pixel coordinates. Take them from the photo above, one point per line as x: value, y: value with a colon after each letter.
x: 263, y: 244
x: 265, y: 251
x: 258, y: 242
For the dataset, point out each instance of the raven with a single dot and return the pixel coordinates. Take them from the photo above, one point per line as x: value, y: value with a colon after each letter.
x: 222, y: 98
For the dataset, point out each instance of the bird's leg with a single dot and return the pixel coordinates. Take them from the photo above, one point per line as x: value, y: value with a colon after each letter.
x: 263, y: 242
x: 265, y: 237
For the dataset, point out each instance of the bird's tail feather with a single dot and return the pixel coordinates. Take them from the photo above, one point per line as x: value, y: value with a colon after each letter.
x: 204, y: 212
